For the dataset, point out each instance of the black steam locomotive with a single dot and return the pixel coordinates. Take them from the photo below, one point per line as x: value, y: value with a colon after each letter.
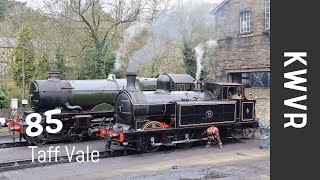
x: 147, y: 120
x: 83, y: 102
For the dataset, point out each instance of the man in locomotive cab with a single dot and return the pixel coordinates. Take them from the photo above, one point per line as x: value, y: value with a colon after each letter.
x: 235, y: 93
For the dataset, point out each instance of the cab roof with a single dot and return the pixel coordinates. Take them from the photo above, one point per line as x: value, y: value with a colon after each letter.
x: 227, y: 84
x: 180, y: 78
x: 211, y: 81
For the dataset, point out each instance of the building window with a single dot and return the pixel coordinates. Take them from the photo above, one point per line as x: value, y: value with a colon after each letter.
x: 259, y: 80
x: 267, y: 14
x: 252, y: 79
x: 245, y: 22
x: 245, y: 79
x: 3, y: 69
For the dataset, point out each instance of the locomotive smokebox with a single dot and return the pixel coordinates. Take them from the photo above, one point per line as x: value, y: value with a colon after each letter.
x: 131, y: 81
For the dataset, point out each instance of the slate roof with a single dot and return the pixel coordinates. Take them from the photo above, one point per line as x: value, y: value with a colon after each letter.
x: 8, y: 42
x: 218, y: 7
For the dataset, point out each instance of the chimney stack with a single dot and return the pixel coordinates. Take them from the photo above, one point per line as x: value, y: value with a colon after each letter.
x: 131, y: 81
x: 198, y: 86
x: 54, y: 75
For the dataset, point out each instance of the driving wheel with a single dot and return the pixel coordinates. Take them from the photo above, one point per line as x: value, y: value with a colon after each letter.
x: 41, y: 139
x: 75, y: 136
x: 148, y: 141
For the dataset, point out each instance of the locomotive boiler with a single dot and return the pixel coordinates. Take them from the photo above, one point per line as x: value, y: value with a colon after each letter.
x: 147, y: 120
x: 84, y: 94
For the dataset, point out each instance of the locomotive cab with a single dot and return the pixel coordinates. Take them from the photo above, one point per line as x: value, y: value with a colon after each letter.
x: 226, y: 91
x: 245, y: 110
x: 179, y: 82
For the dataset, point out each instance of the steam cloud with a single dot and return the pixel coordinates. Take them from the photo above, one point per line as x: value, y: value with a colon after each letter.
x: 162, y: 31
x: 129, y: 34
x: 200, y: 50
x: 188, y: 22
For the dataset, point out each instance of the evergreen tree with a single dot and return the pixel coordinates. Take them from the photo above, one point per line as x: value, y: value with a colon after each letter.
x: 110, y: 60
x: 3, y: 100
x: 91, y: 67
x: 190, y: 61
x: 24, y: 45
x: 44, y: 66
x: 60, y: 63
x: 88, y: 67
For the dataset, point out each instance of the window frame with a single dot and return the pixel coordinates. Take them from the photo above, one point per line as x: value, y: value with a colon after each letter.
x: 247, y: 79
x: 267, y: 15
x: 245, y: 16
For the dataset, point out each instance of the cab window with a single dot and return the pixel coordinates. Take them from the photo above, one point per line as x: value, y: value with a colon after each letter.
x: 181, y: 87
x: 225, y: 93
x: 235, y: 92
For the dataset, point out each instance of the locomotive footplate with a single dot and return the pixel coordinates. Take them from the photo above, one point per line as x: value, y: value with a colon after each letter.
x: 166, y: 136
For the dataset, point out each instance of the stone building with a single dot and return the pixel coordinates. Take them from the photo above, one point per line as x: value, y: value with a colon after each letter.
x: 7, y: 46
x: 243, y: 52
x: 6, y: 55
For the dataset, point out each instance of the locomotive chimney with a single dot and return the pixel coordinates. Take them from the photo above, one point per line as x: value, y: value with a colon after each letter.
x: 131, y: 81
x: 198, y: 86
x: 53, y: 75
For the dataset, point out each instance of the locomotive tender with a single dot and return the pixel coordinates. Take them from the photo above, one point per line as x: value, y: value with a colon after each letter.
x: 147, y: 120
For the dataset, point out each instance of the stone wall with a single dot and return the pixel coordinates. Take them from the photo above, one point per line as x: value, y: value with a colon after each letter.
x: 263, y: 102
x: 227, y: 17
x: 241, y: 50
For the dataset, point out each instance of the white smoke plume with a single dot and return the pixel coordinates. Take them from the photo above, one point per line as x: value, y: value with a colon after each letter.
x: 199, y: 52
x: 211, y: 44
x: 128, y: 36
x: 186, y: 23
x: 200, y: 49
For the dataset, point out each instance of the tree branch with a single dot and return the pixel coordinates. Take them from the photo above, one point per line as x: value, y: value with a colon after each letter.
x: 92, y: 31
x: 93, y: 15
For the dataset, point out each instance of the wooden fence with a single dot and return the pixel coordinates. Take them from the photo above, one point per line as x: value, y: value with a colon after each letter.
x: 6, y: 113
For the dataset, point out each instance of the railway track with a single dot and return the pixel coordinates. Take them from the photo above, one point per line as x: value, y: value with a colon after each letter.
x: 13, y: 144
x: 27, y: 163
x: 25, y: 143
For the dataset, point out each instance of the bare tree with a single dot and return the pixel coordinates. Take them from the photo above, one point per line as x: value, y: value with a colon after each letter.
x: 98, y: 18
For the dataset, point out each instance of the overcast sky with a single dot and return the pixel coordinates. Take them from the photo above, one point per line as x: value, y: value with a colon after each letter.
x: 35, y: 4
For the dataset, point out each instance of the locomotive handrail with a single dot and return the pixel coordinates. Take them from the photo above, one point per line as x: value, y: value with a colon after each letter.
x: 67, y: 87
x: 83, y: 113
x: 73, y: 107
